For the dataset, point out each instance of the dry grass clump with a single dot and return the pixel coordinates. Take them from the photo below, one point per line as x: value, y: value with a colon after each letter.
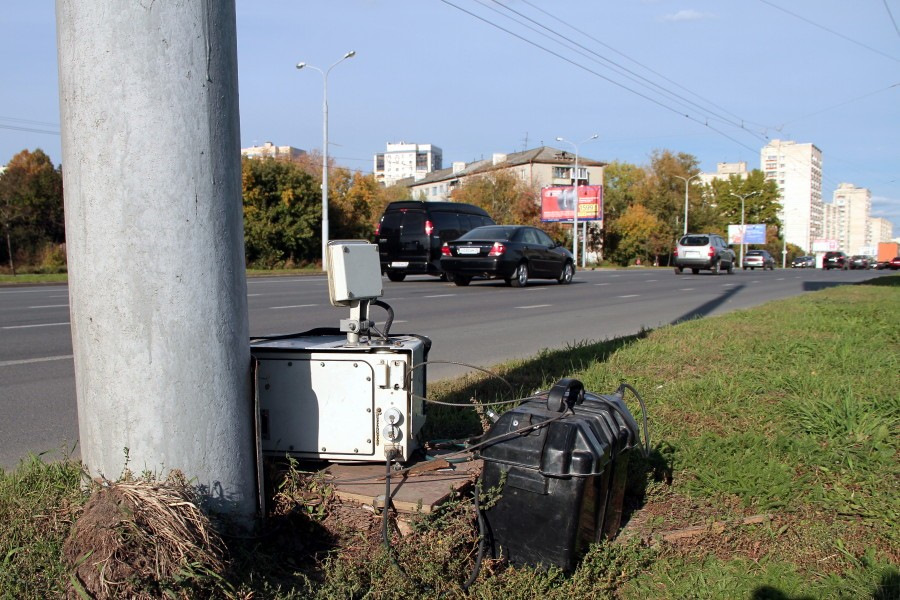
x: 143, y: 539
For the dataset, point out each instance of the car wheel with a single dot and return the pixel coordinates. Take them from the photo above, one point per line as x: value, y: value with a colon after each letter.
x: 716, y: 268
x: 568, y: 272
x: 461, y: 280
x: 678, y: 270
x: 520, y: 277
x: 695, y: 271
x: 731, y: 268
x: 395, y: 276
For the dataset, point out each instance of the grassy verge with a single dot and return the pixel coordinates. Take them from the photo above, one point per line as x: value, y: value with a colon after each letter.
x: 790, y: 411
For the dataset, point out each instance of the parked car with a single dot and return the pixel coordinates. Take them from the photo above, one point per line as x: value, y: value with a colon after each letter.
x: 804, y: 262
x: 835, y: 260
x: 706, y: 251
x: 410, y: 234
x: 516, y: 253
x: 859, y: 261
x: 755, y: 259
x: 893, y: 264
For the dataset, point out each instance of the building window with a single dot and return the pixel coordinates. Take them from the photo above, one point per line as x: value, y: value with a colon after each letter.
x: 562, y: 172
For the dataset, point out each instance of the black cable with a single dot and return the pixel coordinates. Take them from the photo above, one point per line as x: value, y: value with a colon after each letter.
x: 390, y: 317
x: 622, y: 387
x: 482, y: 538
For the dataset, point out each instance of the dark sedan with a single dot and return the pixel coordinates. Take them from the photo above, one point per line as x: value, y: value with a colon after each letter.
x: 515, y: 253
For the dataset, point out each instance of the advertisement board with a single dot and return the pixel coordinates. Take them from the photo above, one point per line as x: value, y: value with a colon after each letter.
x: 825, y: 245
x: 751, y: 234
x: 558, y: 203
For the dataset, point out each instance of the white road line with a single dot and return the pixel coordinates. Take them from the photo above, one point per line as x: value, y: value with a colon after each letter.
x: 780, y: 279
x: 30, y: 326
x: 51, y: 306
x: 630, y: 296
x: 650, y: 280
x: 440, y: 296
x: 23, y: 291
x: 252, y: 295
x: 534, y: 306
x: 686, y: 290
x: 292, y: 306
x: 28, y: 361
x: 601, y: 284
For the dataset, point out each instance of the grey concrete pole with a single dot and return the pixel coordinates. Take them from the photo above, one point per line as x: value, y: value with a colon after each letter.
x: 158, y: 296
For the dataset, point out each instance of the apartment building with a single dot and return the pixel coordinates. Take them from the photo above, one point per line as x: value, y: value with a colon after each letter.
x: 880, y: 230
x: 796, y: 168
x: 270, y: 150
x: 538, y: 167
x: 847, y: 218
x: 724, y: 170
x: 401, y: 160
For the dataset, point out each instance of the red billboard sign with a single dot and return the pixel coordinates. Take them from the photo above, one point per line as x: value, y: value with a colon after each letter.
x: 558, y: 203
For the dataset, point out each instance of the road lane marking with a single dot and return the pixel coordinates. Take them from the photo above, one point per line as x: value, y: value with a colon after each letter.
x: 30, y: 326
x: 534, y: 306
x: 28, y: 361
x: 292, y: 306
x: 50, y: 306
x: 650, y: 280
x: 630, y: 296
x: 686, y: 290
x: 440, y: 296
x: 252, y: 295
x: 601, y: 284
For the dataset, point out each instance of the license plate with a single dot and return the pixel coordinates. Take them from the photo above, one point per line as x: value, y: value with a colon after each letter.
x: 690, y: 254
x: 399, y: 265
x: 467, y: 250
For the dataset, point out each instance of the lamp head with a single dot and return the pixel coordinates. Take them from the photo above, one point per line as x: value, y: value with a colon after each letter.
x: 559, y: 139
x: 300, y: 65
x: 350, y: 54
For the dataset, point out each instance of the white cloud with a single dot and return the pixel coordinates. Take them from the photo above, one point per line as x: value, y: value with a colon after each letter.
x: 687, y: 15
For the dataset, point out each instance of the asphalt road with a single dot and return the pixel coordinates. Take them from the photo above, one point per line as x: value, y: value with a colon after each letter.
x: 483, y: 324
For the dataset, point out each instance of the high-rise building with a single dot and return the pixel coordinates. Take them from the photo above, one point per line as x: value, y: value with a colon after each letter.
x: 724, y: 171
x: 401, y: 160
x: 797, y: 171
x: 880, y: 230
x: 847, y: 218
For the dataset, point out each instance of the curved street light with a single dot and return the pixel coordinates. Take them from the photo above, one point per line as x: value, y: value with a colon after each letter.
x: 687, y: 181
x: 575, y: 195
x: 303, y: 65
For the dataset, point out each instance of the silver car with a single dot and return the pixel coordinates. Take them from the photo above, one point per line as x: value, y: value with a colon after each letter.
x: 706, y: 251
x: 758, y: 259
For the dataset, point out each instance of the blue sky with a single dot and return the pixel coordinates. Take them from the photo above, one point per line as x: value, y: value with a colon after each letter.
x: 710, y: 78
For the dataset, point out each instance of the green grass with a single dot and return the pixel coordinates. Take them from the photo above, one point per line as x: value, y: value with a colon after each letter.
x: 791, y: 409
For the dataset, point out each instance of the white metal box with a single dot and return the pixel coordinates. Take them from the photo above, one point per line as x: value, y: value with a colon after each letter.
x: 319, y: 398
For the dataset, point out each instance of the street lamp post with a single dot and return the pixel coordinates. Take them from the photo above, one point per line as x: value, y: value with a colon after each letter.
x: 303, y: 65
x: 742, y: 197
x: 687, y: 181
x: 575, y: 194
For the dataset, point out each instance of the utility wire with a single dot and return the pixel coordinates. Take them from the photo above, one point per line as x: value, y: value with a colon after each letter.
x: 600, y: 75
x: 891, y: 15
x: 644, y: 81
x: 831, y: 31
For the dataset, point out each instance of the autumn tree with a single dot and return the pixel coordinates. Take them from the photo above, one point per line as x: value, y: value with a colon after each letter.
x: 282, y: 213
x: 762, y: 200
x: 640, y: 235
x: 504, y: 196
x: 624, y: 185
x: 355, y: 204
x: 31, y: 207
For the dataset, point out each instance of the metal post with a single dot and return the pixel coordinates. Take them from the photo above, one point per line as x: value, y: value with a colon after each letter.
x: 742, y: 197
x: 575, y: 192
x: 687, y: 182
x: 324, y: 75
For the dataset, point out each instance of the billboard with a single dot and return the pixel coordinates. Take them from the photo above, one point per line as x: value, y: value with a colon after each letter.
x: 558, y: 203
x: 825, y: 245
x: 751, y: 234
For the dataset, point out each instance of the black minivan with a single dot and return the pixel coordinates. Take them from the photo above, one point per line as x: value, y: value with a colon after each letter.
x: 411, y: 233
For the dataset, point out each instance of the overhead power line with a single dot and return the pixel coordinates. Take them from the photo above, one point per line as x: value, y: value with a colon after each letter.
x: 831, y: 31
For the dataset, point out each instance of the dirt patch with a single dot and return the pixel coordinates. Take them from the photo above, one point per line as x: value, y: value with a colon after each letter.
x: 134, y: 538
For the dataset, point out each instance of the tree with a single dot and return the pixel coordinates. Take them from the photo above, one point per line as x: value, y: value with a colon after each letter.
x: 354, y: 204
x: 504, y: 196
x: 761, y: 200
x: 622, y: 182
x: 282, y: 213
x: 31, y: 205
x: 640, y: 235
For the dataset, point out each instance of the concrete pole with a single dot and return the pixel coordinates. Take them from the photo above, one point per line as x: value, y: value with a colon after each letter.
x: 158, y: 296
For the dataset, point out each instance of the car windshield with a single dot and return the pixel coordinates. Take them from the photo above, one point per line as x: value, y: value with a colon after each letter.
x: 694, y: 240
x: 489, y: 232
